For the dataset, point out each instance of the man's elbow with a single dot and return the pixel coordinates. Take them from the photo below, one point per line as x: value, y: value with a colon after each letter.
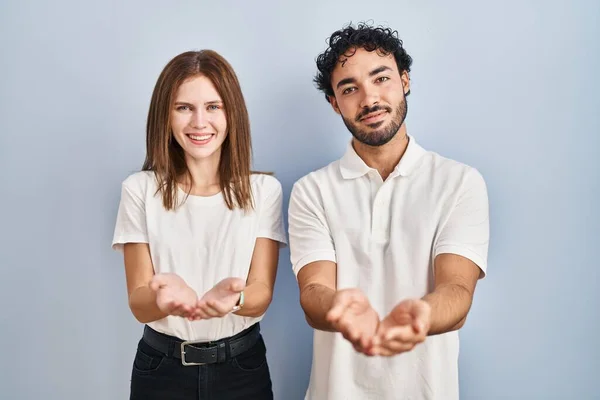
x: 304, y: 304
x: 461, y: 323
x: 309, y: 321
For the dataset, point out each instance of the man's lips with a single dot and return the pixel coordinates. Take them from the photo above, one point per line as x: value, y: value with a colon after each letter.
x: 373, y: 116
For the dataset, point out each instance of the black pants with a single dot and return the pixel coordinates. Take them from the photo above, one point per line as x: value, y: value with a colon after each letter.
x: 156, y: 376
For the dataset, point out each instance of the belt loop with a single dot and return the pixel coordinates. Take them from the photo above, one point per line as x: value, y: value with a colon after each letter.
x: 222, y: 352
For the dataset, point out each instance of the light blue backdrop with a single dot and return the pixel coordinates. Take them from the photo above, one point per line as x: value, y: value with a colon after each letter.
x: 510, y: 87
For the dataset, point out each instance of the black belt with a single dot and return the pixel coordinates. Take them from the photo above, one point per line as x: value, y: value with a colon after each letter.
x: 197, y: 353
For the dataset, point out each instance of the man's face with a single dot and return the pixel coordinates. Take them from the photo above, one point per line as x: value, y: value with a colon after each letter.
x: 369, y: 94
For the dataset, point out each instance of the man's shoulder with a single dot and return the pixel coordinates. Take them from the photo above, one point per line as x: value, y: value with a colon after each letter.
x: 441, y: 164
x: 451, y: 173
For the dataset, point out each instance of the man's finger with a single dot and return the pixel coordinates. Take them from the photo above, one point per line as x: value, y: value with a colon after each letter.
x: 366, y: 341
x: 402, y: 333
x: 391, y: 347
x: 363, y: 350
x: 384, y: 327
x: 380, y: 351
x: 396, y: 347
x: 385, y: 351
x: 354, y: 334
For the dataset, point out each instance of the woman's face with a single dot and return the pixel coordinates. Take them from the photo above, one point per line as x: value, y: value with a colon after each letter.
x: 198, y: 119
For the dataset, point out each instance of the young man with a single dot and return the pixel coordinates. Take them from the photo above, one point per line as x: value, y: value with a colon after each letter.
x: 388, y: 242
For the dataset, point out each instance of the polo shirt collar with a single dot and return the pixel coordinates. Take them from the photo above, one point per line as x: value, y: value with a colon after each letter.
x: 352, y: 166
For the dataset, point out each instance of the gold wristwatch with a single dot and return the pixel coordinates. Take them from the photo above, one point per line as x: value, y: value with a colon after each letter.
x: 240, y: 303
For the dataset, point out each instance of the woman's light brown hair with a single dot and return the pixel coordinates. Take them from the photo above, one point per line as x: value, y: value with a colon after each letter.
x: 165, y: 157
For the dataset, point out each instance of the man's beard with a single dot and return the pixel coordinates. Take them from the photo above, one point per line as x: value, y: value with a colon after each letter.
x: 377, y: 137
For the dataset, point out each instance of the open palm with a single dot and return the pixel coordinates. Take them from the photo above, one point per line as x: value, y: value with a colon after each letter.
x: 354, y: 317
x: 220, y: 300
x: 173, y: 295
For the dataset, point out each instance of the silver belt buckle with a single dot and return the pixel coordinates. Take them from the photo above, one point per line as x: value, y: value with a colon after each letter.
x: 183, y: 361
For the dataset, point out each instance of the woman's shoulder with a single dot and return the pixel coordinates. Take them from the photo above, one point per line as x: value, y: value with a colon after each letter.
x: 265, y: 185
x: 140, y: 181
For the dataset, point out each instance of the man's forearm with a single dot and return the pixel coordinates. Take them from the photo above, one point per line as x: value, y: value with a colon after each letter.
x: 142, y: 303
x: 449, y: 307
x: 316, y: 301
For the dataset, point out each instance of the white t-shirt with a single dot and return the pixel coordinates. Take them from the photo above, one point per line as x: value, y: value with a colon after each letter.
x: 384, y: 237
x: 202, y: 241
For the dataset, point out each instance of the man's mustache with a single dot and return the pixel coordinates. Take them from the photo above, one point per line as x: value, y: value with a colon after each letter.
x: 373, y: 109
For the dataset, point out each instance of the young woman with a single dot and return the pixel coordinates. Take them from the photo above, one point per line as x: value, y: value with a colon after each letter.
x: 200, y: 234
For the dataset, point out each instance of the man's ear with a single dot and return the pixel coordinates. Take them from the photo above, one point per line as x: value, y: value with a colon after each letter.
x: 405, y: 78
x: 334, y: 104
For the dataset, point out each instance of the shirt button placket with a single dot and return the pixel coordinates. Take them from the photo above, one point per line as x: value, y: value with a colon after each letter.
x: 378, y: 225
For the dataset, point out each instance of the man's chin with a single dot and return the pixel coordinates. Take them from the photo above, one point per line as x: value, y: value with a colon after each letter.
x: 375, y: 125
x: 374, y: 138
x: 373, y: 141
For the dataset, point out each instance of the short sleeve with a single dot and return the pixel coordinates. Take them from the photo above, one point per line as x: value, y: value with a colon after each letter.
x: 466, y: 231
x: 310, y: 237
x: 131, y: 217
x: 271, y: 215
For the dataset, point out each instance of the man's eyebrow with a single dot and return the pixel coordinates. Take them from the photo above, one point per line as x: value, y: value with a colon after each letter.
x: 345, y: 81
x: 376, y: 71
x: 379, y: 70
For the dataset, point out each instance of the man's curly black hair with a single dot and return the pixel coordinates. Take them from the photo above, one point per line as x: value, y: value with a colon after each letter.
x: 384, y: 40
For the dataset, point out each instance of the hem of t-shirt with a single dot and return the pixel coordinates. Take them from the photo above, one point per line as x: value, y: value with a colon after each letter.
x: 282, y: 240
x: 319, y: 255
x: 119, y: 242
x: 465, y: 252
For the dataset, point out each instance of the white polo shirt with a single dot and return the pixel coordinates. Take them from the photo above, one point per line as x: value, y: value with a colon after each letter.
x: 384, y: 237
x: 202, y: 241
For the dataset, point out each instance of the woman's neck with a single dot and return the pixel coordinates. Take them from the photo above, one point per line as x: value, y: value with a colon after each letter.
x: 204, y: 176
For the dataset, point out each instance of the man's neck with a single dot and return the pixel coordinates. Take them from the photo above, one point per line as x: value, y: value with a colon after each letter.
x: 383, y: 158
